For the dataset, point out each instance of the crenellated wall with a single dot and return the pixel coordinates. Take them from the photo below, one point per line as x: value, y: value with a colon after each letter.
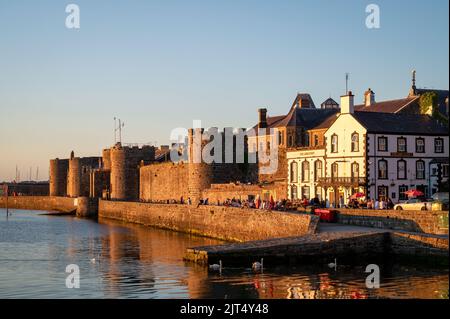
x: 125, y: 164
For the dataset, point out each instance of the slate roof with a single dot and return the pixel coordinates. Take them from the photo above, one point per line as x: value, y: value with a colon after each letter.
x: 303, y: 117
x: 390, y: 106
x: 376, y: 122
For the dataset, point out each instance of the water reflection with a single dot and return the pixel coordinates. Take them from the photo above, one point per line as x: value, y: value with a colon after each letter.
x: 133, y: 261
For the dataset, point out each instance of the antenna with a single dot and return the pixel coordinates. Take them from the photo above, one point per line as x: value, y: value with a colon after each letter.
x: 346, y: 82
x: 37, y: 173
x: 118, y: 128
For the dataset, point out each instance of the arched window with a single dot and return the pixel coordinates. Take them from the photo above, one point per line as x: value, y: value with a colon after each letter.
x: 294, y: 172
x: 401, y: 169
x: 334, y: 170
x: 420, y: 169
x: 294, y: 194
x: 355, y: 142
x: 305, y: 171
x: 317, y: 170
x: 334, y: 143
x: 382, y: 169
x: 355, y: 170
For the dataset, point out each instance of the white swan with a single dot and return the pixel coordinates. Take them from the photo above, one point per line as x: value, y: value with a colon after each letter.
x: 258, y: 265
x: 216, y: 266
x: 94, y: 260
x: 333, y: 265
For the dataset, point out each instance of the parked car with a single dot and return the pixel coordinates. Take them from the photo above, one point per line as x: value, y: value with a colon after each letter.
x: 414, y: 204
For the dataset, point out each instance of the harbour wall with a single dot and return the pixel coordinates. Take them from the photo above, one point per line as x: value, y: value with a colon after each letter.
x: 430, y: 222
x: 352, y: 248
x: 227, y: 223
x: 51, y: 203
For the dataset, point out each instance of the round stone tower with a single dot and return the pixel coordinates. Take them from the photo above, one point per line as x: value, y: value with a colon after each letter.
x: 200, y: 174
x: 58, y: 177
x: 106, y: 158
x: 74, y: 176
x: 118, y: 172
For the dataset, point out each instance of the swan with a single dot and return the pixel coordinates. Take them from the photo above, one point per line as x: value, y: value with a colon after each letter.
x: 333, y: 265
x: 94, y: 260
x: 258, y: 265
x: 216, y: 266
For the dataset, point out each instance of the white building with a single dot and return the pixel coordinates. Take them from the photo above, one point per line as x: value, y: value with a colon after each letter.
x: 379, y: 154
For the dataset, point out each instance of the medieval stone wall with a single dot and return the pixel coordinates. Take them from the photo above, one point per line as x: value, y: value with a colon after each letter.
x: 162, y: 182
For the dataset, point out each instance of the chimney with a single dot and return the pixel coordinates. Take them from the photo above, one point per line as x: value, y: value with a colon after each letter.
x: 347, y: 105
x: 369, y: 97
x: 262, y: 123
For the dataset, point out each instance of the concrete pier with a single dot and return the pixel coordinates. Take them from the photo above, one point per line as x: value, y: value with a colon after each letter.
x: 347, y: 243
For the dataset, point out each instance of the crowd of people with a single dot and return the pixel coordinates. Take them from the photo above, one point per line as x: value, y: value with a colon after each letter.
x: 285, y: 204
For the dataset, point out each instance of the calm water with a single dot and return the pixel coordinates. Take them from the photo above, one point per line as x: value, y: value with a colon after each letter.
x: 141, y: 262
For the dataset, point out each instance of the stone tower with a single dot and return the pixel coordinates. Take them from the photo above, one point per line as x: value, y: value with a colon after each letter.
x: 125, y: 162
x: 74, y: 176
x: 200, y: 174
x: 58, y: 177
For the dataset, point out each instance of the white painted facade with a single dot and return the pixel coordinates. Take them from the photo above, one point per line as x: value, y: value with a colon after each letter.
x: 305, y: 167
x: 355, y: 160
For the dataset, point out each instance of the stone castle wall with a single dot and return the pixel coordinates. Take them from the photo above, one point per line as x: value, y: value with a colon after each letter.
x: 162, y: 182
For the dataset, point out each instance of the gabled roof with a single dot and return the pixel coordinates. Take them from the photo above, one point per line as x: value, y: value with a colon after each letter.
x: 391, y: 106
x: 303, y: 96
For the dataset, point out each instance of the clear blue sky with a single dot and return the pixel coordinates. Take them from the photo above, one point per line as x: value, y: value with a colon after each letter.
x: 160, y: 64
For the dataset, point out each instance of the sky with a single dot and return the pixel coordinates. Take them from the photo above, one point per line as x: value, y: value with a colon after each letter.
x: 159, y: 65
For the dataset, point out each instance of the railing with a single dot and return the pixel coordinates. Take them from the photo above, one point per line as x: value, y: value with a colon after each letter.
x: 342, y: 181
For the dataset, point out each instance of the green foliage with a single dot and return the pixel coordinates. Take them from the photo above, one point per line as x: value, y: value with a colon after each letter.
x: 427, y: 100
x: 430, y: 99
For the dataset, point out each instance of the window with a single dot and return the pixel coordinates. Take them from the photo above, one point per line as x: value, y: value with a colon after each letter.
x: 382, y: 144
x: 317, y: 170
x: 294, y: 172
x: 401, y: 169
x: 294, y: 194
x: 383, y: 192
x: 280, y: 138
x: 401, y: 145
x: 290, y: 141
x: 334, y: 143
x: 355, y: 142
x: 305, y: 171
x: 316, y: 140
x: 355, y: 170
x: 334, y: 170
x: 420, y: 145
x: 401, y: 192
x: 305, y: 192
x: 268, y: 147
x: 420, y: 169
x: 382, y: 169
x: 445, y: 170
x: 438, y: 145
